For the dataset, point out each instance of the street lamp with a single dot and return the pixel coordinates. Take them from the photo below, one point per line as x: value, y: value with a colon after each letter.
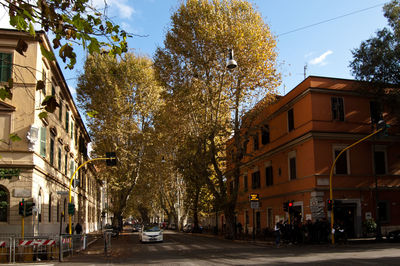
x: 231, y: 64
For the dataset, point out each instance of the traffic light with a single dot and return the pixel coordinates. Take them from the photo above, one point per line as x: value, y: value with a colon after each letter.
x: 286, y: 206
x: 329, y: 204
x: 111, y: 159
x: 21, y: 208
x: 29, y: 207
x: 71, y: 208
x: 382, y: 125
x: 76, y: 182
x: 290, y: 206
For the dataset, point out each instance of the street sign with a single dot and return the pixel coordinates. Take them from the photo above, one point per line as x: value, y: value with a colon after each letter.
x: 255, y: 204
x: 254, y: 197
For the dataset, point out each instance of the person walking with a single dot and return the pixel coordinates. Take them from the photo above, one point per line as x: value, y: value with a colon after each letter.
x: 78, y: 228
x: 278, y: 227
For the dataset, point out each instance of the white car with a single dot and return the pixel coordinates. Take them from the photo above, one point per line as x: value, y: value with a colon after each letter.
x: 151, y: 233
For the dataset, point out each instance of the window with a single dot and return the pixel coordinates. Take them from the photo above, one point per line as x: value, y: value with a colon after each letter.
x: 43, y: 142
x: 255, y: 180
x: 247, y: 217
x: 337, y: 108
x: 5, y: 66
x: 256, y: 143
x: 52, y: 151
x: 5, y: 125
x: 59, y: 158
x: 71, y: 168
x: 265, y: 135
x: 269, y: 181
x: 383, y: 211
x: 76, y: 135
x: 72, y: 129
x: 60, y: 111
x: 53, y: 90
x: 290, y: 120
x: 376, y: 112
x: 245, y: 184
x: 66, y: 163
x: 292, y: 165
x: 341, y: 167
x: 3, y: 204
x: 380, y: 162
x: 67, y: 121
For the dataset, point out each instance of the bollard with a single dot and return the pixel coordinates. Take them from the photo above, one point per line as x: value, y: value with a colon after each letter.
x: 84, y: 242
x: 61, y: 249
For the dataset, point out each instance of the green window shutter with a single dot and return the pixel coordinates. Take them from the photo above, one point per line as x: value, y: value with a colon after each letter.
x: 66, y: 164
x: 67, y: 121
x: 71, y: 169
x: 72, y: 130
x: 43, y: 141
x: 52, y: 151
x: 59, y: 158
x: 5, y: 66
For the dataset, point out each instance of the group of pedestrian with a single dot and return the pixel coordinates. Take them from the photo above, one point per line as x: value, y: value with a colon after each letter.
x: 74, y: 229
x: 298, y: 233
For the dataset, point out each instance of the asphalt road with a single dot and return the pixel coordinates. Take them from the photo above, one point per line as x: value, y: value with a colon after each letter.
x: 188, y: 249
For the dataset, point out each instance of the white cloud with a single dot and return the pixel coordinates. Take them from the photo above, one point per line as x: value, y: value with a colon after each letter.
x: 125, y: 11
x: 123, y: 8
x: 320, y: 60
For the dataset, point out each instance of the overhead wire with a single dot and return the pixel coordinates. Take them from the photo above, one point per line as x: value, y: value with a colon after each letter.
x: 331, y: 19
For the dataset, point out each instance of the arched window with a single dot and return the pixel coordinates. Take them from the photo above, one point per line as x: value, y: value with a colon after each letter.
x: 50, y: 198
x: 3, y: 204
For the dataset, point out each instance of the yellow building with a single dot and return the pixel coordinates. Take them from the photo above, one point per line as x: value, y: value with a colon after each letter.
x: 39, y: 166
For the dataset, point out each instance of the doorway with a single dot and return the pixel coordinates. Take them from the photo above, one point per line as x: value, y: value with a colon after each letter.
x: 345, y: 216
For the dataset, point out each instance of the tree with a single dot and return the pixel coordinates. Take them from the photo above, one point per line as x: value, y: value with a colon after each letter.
x: 377, y: 60
x: 122, y: 96
x: 211, y: 101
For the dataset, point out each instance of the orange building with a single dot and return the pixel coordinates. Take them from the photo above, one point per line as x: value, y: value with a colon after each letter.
x: 290, y: 159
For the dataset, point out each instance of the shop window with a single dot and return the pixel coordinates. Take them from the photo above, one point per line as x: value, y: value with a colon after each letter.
x: 383, y: 211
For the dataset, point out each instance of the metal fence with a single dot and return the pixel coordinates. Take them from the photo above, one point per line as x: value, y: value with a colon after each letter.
x: 44, y: 247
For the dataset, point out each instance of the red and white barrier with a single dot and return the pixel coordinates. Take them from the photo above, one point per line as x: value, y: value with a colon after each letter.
x: 37, y: 242
x: 2, y: 243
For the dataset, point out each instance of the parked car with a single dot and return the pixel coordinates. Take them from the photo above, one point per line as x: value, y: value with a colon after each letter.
x: 393, y: 235
x: 136, y: 228
x: 151, y: 233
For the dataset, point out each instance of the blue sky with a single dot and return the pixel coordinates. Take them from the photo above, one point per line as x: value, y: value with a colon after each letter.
x: 325, y: 48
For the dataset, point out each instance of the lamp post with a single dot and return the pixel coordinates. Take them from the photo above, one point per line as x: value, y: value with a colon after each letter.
x: 110, y: 160
x: 379, y: 129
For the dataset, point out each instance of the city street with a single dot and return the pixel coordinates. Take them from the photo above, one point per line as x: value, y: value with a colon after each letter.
x: 188, y: 249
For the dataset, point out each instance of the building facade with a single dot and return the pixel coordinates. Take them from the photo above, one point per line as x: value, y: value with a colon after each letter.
x: 297, y: 140
x: 38, y: 167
